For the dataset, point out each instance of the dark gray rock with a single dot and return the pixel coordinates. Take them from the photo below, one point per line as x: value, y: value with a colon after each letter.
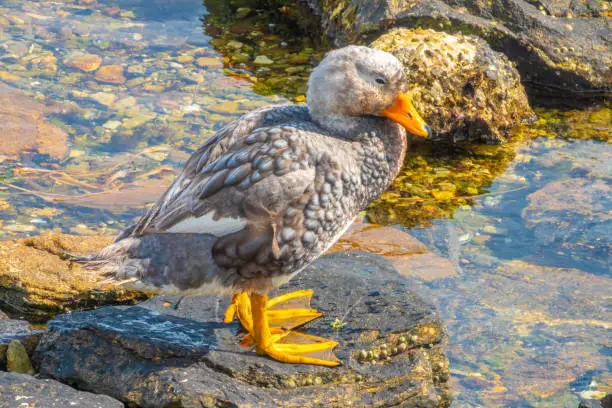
x: 21, y: 390
x: 154, y: 354
x: 11, y: 329
x: 559, y: 46
x: 605, y: 402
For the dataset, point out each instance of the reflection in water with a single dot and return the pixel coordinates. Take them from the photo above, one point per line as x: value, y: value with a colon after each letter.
x: 100, y: 105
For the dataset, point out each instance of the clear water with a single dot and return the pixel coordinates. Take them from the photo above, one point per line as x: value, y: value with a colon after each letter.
x: 527, y: 299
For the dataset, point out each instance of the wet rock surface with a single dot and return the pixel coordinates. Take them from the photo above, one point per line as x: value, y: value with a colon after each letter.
x: 37, y: 282
x: 558, y: 46
x: 463, y: 88
x: 21, y: 390
x: 187, y: 356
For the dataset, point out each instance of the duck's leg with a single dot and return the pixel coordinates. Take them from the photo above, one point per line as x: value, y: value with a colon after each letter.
x: 284, y: 312
x: 288, y: 347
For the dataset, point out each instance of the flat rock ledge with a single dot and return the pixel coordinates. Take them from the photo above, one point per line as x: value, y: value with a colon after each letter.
x: 22, y: 390
x: 160, y: 354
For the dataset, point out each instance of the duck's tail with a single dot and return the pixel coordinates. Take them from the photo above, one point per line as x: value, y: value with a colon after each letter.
x: 109, y: 261
x: 158, y: 261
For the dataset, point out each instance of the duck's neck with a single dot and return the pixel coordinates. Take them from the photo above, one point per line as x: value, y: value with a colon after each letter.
x: 390, y: 134
x: 346, y: 127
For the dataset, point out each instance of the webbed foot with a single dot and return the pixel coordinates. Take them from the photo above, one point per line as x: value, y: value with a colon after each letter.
x: 269, y: 322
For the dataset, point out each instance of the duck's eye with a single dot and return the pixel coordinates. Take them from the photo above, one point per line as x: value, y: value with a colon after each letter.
x: 380, y: 81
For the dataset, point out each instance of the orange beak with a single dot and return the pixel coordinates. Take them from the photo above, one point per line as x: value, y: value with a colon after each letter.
x: 402, y: 111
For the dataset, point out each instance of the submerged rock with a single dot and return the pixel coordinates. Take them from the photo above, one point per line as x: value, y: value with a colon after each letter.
x: 36, y: 282
x: 391, y: 346
x: 111, y: 74
x: 558, y: 46
x: 21, y: 390
x: 85, y: 63
x: 24, y: 129
x: 570, y: 218
x: 463, y: 89
x: 409, y: 256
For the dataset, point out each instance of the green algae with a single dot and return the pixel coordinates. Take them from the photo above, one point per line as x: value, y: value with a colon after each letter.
x: 438, y: 179
x: 276, y: 57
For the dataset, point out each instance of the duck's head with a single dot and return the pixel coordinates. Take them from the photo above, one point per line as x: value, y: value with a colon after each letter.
x: 355, y: 82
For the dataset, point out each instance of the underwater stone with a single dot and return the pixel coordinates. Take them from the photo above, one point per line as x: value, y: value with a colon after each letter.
x: 112, y: 74
x: 263, y: 60
x: 208, y: 62
x: 85, y: 63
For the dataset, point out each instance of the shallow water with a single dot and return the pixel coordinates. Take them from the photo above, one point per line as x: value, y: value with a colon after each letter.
x: 526, y: 227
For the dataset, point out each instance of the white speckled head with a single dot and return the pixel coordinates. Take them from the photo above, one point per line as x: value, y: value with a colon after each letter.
x: 354, y: 81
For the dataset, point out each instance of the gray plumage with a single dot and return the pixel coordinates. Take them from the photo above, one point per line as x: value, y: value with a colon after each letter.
x: 273, y: 190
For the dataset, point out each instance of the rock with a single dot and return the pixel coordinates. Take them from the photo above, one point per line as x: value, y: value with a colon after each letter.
x: 606, y: 402
x: 37, y: 283
x: 16, y: 330
x: 138, y: 120
x: 262, y: 60
x: 85, y: 63
x: 225, y: 107
x: 462, y: 88
x: 572, y: 217
x: 209, y: 62
x: 104, y: 98
x: 21, y: 390
x: 17, y: 359
x: 408, y: 255
x: 9, y: 77
x: 184, y: 58
x: 23, y: 127
x: 555, y: 53
x: 193, y: 359
x: 111, y: 74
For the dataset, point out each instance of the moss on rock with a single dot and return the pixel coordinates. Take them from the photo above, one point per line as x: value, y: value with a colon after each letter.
x: 37, y: 281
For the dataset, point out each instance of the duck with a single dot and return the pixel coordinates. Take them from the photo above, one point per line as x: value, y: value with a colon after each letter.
x: 270, y: 193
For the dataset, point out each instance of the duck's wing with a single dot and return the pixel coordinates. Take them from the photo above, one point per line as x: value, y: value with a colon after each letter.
x: 244, y: 175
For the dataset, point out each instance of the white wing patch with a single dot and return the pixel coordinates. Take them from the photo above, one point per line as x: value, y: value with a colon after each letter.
x: 207, y: 225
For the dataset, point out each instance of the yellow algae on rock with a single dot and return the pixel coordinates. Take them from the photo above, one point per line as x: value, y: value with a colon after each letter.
x: 39, y: 282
